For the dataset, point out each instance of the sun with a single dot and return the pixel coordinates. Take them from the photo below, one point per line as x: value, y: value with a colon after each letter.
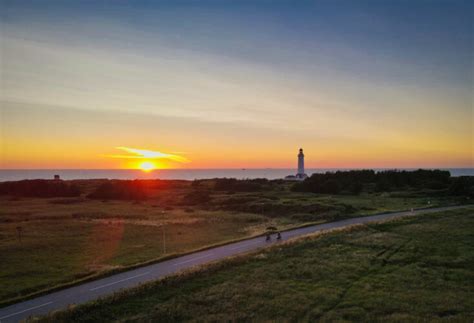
x: 147, y: 166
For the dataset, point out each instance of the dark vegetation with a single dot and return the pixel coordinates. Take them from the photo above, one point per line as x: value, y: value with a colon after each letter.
x: 39, y: 188
x: 120, y: 190
x: 234, y: 185
x: 276, y: 197
x: 432, y: 182
x: 313, y: 200
x: 357, y: 181
x: 416, y: 269
x: 196, y: 197
x: 462, y: 186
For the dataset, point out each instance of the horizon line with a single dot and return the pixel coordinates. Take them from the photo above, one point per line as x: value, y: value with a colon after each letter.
x: 236, y: 168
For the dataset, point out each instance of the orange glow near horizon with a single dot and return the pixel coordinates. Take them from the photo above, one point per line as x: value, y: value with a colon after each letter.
x: 320, y: 156
x: 148, y: 159
x: 75, y: 98
x: 18, y: 151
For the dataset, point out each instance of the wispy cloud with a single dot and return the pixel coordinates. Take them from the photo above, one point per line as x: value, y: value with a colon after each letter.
x: 148, y: 154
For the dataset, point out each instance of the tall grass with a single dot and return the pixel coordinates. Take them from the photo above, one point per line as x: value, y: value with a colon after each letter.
x: 414, y: 269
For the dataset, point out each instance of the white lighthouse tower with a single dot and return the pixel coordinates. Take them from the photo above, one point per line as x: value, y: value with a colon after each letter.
x: 300, y: 175
x: 300, y: 162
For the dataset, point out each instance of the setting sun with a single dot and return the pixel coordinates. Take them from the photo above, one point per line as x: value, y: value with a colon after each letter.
x: 147, y: 166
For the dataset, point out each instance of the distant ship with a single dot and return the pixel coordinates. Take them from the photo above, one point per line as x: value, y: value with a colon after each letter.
x: 300, y: 175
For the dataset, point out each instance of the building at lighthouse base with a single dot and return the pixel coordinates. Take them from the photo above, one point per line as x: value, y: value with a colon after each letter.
x: 297, y: 177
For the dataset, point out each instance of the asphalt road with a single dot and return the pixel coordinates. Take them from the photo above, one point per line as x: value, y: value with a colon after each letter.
x: 105, y: 286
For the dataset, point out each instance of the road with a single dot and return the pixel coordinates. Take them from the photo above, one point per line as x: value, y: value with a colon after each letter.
x: 105, y: 286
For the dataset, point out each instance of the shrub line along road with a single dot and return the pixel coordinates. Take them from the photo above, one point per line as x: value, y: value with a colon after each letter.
x: 105, y: 286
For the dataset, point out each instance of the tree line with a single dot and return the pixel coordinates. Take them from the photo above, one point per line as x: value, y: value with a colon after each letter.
x: 356, y: 181
x: 340, y: 182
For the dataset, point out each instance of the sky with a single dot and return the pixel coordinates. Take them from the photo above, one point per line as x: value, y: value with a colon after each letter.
x: 236, y: 84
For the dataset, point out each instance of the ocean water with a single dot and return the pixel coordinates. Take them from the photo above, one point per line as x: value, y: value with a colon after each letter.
x: 187, y: 174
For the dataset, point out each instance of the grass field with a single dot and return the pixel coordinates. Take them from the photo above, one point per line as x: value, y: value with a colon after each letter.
x: 413, y: 269
x: 68, y: 239
x: 62, y: 243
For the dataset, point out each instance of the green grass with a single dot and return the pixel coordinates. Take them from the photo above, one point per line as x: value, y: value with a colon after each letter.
x: 64, y: 243
x: 413, y: 269
x: 323, y: 207
x: 69, y: 239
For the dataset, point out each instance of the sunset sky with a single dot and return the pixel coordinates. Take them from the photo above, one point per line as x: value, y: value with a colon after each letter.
x: 232, y: 84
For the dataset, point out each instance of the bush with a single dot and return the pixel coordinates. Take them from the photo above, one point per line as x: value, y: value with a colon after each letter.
x: 39, y: 188
x: 462, y: 186
x: 234, y: 185
x: 196, y: 197
x: 119, y: 190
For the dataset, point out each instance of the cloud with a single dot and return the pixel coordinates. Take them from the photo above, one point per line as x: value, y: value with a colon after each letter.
x: 148, y: 154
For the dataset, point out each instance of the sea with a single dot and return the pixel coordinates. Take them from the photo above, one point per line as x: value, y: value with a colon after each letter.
x: 182, y: 174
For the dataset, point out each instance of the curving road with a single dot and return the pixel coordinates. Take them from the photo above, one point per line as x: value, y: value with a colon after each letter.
x: 105, y: 286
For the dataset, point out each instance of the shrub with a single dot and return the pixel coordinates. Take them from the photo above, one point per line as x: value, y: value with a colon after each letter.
x: 39, y: 188
x: 462, y: 186
x: 196, y: 197
x: 119, y: 190
x: 234, y: 185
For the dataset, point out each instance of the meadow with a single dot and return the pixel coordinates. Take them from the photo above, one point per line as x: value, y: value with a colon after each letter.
x: 49, y: 242
x: 407, y: 270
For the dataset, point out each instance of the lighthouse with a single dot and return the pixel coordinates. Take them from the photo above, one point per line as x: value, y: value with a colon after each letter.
x: 300, y: 174
x: 300, y: 162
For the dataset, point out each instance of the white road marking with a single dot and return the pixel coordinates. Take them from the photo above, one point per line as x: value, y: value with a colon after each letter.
x: 118, y: 281
x: 245, y: 245
x: 28, y: 309
x: 184, y: 262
